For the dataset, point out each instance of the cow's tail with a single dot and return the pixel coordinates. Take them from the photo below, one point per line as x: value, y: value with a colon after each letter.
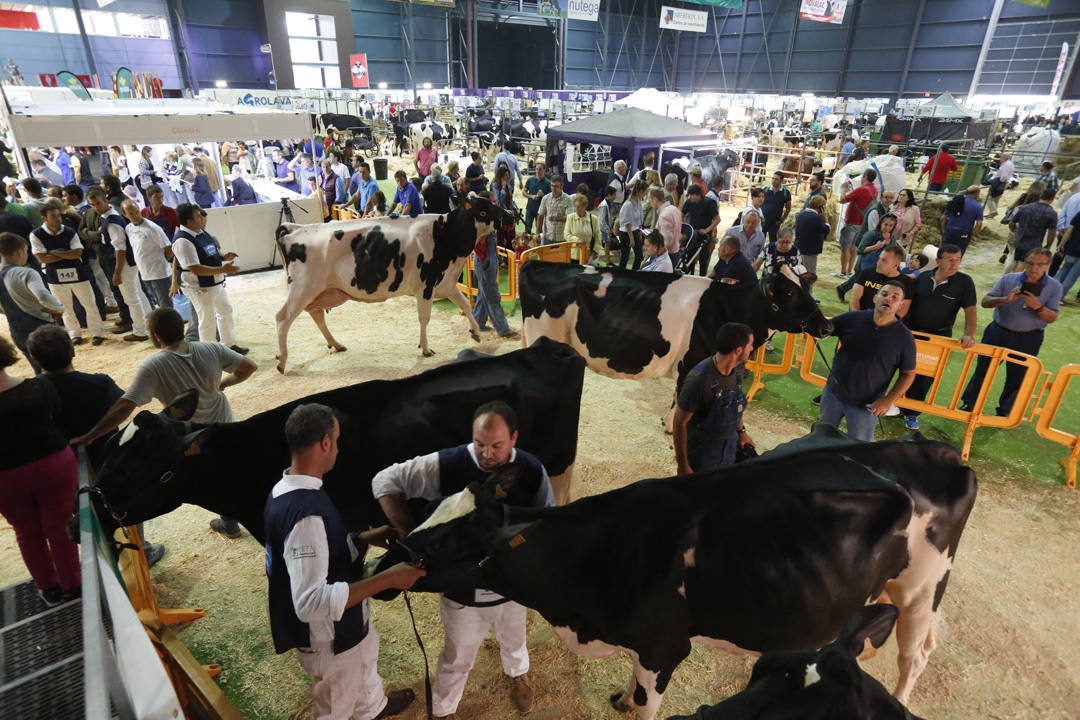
x: 279, y: 236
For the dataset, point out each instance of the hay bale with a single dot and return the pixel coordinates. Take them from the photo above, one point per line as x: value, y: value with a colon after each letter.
x: 1068, y: 168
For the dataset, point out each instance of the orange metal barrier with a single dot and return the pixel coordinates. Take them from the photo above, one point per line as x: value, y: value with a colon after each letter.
x: 932, y: 358
x: 1048, y: 412
x: 759, y: 367
x: 511, y: 267
x: 558, y: 252
x: 136, y: 574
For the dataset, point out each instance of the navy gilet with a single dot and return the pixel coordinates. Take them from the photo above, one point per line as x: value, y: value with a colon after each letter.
x: 281, y: 515
x: 208, y: 254
x: 117, y: 219
x: 62, y: 271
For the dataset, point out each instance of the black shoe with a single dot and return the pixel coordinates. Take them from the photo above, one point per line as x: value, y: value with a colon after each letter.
x: 232, y: 531
x: 153, y: 554
x: 840, y: 293
x: 77, y: 341
x: 97, y: 341
x: 52, y: 596
x: 396, y: 702
x: 965, y: 407
x: 121, y: 329
x: 817, y: 400
x: 72, y: 594
x: 241, y: 350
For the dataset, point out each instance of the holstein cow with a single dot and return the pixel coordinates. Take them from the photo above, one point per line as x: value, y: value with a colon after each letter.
x: 772, y: 554
x: 378, y: 258
x: 437, y: 131
x: 630, y: 324
x: 159, y: 461
x: 817, y: 685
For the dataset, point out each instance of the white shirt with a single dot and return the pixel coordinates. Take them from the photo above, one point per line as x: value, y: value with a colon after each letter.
x: 38, y: 247
x: 342, y: 171
x: 147, y: 241
x: 657, y: 263
x: 318, y: 603
x: 187, y: 255
x: 117, y: 234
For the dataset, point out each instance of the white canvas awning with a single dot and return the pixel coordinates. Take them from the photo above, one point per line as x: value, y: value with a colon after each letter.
x: 139, y: 122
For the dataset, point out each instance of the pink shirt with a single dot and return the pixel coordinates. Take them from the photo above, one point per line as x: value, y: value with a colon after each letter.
x: 669, y: 225
x: 425, y: 158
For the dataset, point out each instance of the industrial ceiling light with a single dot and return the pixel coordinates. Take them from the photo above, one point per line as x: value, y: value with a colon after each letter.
x: 427, y: 86
x: 383, y: 86
x: 221, y: 84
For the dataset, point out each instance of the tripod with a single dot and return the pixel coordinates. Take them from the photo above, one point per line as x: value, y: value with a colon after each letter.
x: 284, y: 213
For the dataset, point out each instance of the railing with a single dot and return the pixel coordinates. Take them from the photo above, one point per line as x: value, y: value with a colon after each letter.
x: 511, y: 267
x: 1048, y: 413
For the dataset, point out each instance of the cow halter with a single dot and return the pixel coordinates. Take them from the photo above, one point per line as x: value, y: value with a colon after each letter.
x: 803, y: 324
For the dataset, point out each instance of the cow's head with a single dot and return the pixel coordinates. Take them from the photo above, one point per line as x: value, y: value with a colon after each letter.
x: 137, y: 479
x: 486, y: 215
x: 825, y: 684
x: 460, y: 536
x: 790, y: 305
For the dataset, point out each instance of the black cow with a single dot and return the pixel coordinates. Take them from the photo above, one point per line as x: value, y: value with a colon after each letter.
x: 344, y: 122
x: 817, y: 685
x: 160, y: 462
x: 711, y: 166
x: 772, y: 554
x: 631, y: 324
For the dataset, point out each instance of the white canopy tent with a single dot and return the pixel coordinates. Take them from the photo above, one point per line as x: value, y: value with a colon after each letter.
x: 247, y: 230
x: 652, y: 100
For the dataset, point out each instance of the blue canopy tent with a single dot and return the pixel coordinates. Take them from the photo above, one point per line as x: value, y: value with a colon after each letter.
x: 630, y: 132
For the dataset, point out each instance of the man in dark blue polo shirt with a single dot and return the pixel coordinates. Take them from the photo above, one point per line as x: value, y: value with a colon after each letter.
x: 939, y: 296
x: 874, y: 345
x: 1020, y: 319
x: 776, y: 207
x: 733, y: 267
x: 407, y: 196
x: 961, y: 229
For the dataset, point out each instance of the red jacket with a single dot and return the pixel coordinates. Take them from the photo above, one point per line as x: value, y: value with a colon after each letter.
x: 858, y: 200
x: 945, y: 164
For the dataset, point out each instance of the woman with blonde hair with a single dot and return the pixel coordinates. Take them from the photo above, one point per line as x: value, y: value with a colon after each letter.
x: 583, y: 226
x: 200, y: 186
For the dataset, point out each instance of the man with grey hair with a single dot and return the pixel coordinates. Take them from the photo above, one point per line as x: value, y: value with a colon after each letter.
x: 894, y: 149
x: 751, y: 238
x: 673, y: 193
x: 618, y: 180
x: 437, y: 191
x: 153, y: 253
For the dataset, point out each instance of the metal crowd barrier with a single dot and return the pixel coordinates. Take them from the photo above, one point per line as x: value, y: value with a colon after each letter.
x: 933, y: 355
x: 511, y: 268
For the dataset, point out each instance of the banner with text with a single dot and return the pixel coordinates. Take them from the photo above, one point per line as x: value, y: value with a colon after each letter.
x: 583, y: 10
x: 673, y: 18
x: 358, y: 68
x: 826, y: 11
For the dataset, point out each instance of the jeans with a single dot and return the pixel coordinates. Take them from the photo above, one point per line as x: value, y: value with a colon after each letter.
x: 936, y: 187
x: 860, y: 421
x: 705, y: 256
x: 995, y: 334
x: 1068, y: 273
x: 960, y: 238
x: 770, y: 230
x: 868, y: 260
x: 488, y: 302
x: 530, y: 215
x: 920, y: 386
x: 625, y: 241
x: 159, y: 292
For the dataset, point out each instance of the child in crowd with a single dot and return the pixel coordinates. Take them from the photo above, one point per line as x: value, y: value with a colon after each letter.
x: 658, y: 259
x: 915, y: 265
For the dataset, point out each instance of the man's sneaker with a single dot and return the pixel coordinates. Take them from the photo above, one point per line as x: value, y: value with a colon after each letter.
x: 97, y: 341
x: 133, y: 337
x: 512, y: 335
x: 521, y: 695
x: 912, y: 422
x: 817, y: 400
x: 121, y: 329
x: 840, y: 293
x: 396, y: 702
x: 52, y: 596
x: 153, y: 554
x: 238, y: 349
x: 72, y: 594
x: 233, y: 531
x: 838, y: 274
x: 77, y: 340
x: 893, y: 411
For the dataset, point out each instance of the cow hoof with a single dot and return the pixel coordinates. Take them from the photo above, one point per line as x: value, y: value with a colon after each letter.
x: 474, y: 335
x: 429, y: 353
x: 337, y: 348
x: 619, y: 703
x: 281, y: 368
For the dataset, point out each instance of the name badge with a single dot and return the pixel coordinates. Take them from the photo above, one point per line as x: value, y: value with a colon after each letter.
x: 67, y: 275
x: 211, y: 250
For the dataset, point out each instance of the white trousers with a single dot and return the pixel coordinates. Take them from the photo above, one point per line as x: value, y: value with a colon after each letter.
x: 85, y: 295
x: 103, y: 283
x: 210, y: 303
x: 466, y: 627
x: 134, y: 298
x: 346, y: 685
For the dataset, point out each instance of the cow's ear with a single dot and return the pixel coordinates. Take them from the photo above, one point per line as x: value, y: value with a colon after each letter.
x: 873, y: 623
x: 503, y: 481
x: 182, y: 406
x: 193, y: 442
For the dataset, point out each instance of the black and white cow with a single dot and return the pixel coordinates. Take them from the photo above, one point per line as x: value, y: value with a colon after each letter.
x: 825, y: 684
x: 772, y: 554
x: 486, y: 129
x: 159, y: 461
x: 711, y: 167
x: 629, y: 324
x: 437, y: 131
x: 378, y: 258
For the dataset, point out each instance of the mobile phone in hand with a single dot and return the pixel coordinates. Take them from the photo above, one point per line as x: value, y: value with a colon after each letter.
x: 1032, y: 287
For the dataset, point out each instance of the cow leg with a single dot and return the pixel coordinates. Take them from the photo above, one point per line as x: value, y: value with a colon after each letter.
x: 291, y: 310
x: 423, y: 311
x: 319, y: 316
x: 458, y: 298
x: 915, y: 640
x: 645, y: 692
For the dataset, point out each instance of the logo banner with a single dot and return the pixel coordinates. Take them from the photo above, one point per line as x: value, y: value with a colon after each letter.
x: 72, y: 81
x: 826, y: 11
x: 122, y: 83
x: 673, y: 18
x: 551, y: 8
x: 583, y: 10
x: 358, y: 68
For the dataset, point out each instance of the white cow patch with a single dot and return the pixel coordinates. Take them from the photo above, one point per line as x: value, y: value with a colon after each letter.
x: 787, y: 272
x: 688, y: 558
x: 605, y: 281
x: 128, y: 433
x: 595, y: 649
x: 449, y: 509
x: 811, y: 676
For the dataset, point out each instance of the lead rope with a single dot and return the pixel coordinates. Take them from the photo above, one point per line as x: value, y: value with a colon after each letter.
x: 420, y: 642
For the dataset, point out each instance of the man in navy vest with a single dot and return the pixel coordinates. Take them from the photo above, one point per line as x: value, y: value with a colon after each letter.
x: 467, y: 617
x: 205, y: 268
x: 26, y: 302
x: 317, y: 605
x: 125, y: 276
x: 67, y: 272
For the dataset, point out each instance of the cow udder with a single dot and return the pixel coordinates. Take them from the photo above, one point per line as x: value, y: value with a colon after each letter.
x: 327, y: 299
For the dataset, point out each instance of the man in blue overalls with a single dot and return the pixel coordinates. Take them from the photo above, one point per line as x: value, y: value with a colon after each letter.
x: 708, y: 415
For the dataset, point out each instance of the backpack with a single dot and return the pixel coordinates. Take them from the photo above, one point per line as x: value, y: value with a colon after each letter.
x: 955, y: 206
